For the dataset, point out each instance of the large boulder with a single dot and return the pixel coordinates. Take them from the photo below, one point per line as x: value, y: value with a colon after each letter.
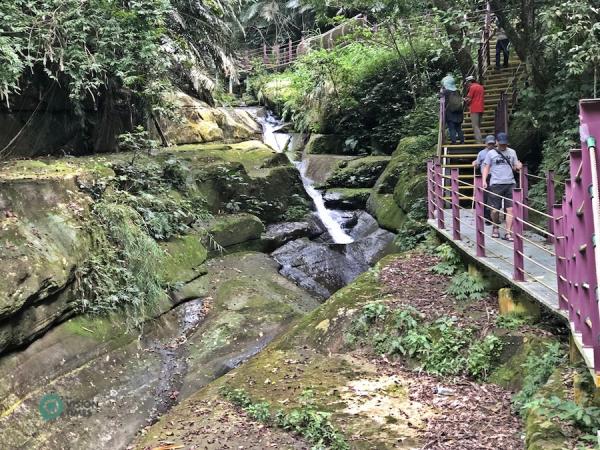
x: 328, y: 144
x: 42, y: 242
x: 201, y: 123
x: 345, y: 198
x: 386, y: 211
x: 358, y: 173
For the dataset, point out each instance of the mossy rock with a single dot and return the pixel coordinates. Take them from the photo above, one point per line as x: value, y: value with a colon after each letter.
x: 386, y: 211
x: 408, y: 190
x: 329, y: 144
x: 344, y: 198
x: 233, y: 229
x: 184, y: 259
x: 358, y: 173
x: 541, y: 432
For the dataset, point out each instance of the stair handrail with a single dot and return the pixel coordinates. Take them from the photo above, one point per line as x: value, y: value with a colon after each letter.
x: 483, y: 53
x: 442, y: 125
x: 502, y: 116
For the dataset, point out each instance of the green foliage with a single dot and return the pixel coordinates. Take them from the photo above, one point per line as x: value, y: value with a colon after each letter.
x: 442, y: 347
x: 414, y: 230
x: 511, y: 321
x: 84, y: 45
x: 538, y: 368
x: 465, y: 286
x: 482, y: 354
x: 586, y: 418
x: 307, y: 421
x: 447, y: 354
x: 137, y: 141
x: 123, y: 272
x: 451, y: 262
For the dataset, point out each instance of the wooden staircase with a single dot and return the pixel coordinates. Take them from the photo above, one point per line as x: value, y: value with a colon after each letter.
x: 461, y: 156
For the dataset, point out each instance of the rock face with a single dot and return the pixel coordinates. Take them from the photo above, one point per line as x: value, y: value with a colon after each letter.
x: 42, y: 242
x: 201, y: 123
x: 331, y: 144
x: 44, y: 217
x: 358, y: 173
x: 343, y: 198
x: 121, y: 382
x: 323, y: 268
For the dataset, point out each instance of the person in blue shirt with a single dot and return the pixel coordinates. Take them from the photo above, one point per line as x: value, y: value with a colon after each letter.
x: 490, y: 142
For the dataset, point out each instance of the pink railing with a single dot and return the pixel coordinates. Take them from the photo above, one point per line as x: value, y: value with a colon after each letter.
x: 570, y: 230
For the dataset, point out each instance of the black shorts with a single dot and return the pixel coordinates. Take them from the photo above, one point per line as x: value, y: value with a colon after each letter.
x: 503, y: 192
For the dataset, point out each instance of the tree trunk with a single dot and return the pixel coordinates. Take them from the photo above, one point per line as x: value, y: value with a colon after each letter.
x: 461, y: 54
x: 525, y: 40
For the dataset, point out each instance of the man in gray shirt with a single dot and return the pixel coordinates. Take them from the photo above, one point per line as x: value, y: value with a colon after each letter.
x: 500, y: 165
x: 490, y: 142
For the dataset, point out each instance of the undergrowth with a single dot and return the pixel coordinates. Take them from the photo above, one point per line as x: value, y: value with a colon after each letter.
x: 133, y: 210
x: 463, y: 285
x: 307, y: 421
x: 441, y: 347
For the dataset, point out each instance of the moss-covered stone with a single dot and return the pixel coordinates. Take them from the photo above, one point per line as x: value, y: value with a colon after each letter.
x: 330, y: 144
x: 184, y: 259
x: 233, y: 229
x: 386, y: 211
x: 358, y: 173
x: 343, y: 198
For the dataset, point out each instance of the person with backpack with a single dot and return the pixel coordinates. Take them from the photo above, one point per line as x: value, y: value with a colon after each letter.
x: 476, y: 101
x: 500, y: 164
x: 490, y: 144
x: 454, y: 109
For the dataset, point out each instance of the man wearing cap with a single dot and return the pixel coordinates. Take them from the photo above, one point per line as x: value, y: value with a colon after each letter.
x: 500, y: 164
x: 490, y: 142
x: 475, y: 99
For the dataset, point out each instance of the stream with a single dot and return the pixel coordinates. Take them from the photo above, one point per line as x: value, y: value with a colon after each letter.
x: 278, y: 141
x: 111, y: 385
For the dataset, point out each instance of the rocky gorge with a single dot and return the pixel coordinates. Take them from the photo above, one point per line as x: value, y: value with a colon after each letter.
x: 213, y: 213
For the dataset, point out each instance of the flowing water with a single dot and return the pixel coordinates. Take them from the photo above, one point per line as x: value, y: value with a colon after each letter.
x: 278, y: 141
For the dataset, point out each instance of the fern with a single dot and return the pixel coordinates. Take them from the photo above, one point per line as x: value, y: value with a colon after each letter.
x: 465, y: 286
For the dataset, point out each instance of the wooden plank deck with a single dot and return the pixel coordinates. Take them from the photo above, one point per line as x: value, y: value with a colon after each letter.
x: 540, y: 283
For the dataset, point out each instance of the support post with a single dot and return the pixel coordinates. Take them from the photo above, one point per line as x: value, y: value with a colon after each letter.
x: 455, y: 206
x: 479, y: 220
x: 265, y: 54
x: 518, y: 260
x: 290, y: 52
x: 430, y: 191
x: 439, y: 195
x: 550, y: 199
x: 561, y: 261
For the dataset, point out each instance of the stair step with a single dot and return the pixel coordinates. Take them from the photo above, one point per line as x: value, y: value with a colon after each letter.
x: 462, y: 145
x: 457, y: 156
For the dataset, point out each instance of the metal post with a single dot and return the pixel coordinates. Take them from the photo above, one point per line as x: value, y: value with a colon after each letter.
x: 430, y: 191
x: 519, y: 261
x: 550, y: 199
x: 569, y: 250
x: 290, y: 51
x: 455, y: 206
x: 577, y: 275
x: 561, y: 262
x: 265, y: 54
x: 479, y: 220
x: 525, y: 188
x: 439, y: 195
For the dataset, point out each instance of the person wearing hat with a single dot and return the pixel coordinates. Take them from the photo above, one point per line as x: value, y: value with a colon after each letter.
x: 454, y: 111
x: 490, y: 142
x: 500, y: 164
x: 476, y: 100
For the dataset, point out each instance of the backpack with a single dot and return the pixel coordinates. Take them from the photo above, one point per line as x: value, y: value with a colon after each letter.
x: 455, y: 102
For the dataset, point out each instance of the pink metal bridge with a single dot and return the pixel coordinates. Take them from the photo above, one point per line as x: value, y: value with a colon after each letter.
x: 554, y: 257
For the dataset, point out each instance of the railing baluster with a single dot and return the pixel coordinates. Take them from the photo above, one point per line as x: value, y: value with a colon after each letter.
x: 479, y: 220
x: 439, y: 194
x: 455, y: 206
x: 559, y: 250
x: 550, y: 199
x: 518, y: 260
x: 430, y: 192
x: 525, y: 188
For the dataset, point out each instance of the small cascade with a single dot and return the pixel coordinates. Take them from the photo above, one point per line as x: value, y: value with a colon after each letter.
x: 278, y: 141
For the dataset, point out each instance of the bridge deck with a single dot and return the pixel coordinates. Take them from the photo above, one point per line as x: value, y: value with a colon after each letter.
x: 540, y: 283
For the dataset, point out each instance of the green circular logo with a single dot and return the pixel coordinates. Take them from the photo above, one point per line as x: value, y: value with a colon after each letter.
x: 51, y: 407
